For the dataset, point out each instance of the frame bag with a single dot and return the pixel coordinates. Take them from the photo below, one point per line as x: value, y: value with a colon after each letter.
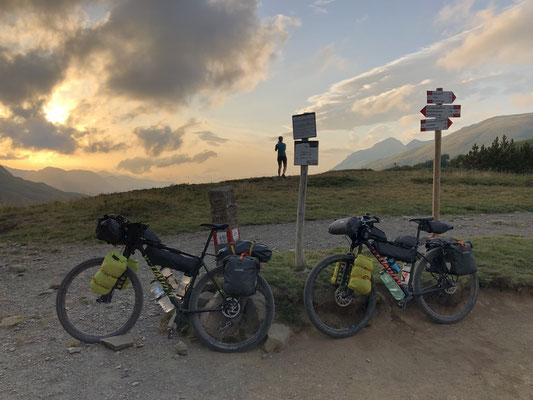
x: 461, y: 258
x: 400, y: 253
x: 240, y: 275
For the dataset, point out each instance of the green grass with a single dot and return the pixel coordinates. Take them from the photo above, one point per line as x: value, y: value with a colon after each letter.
x: 181, y: 208
x: 504, y: 262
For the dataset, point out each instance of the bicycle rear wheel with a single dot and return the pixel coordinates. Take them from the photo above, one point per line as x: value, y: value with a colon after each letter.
x: 337, y: 311
x: 239, y: 323
x: 90, y: 317
x: 456, y: 297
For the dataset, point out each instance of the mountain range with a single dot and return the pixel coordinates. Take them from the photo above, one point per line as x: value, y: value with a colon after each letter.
x: 517, y: 127
x: 86, y: 182
x: 17, y: 191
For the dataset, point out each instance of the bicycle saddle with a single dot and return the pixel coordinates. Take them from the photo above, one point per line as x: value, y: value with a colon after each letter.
x: 421, y: 220
x: 216, y: 227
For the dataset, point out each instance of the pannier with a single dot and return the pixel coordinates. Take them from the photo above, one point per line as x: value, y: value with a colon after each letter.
x: 240, y: 275
x: 396, y: 251
x: 110, y: 230
x: 171, y: 260
x: 345, y: 226
x: 260, y: 251
x: 461, y: 258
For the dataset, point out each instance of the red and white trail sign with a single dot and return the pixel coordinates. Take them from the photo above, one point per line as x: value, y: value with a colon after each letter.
x: 440, y: 96
x: 441, y: 111
x: 435, y: 124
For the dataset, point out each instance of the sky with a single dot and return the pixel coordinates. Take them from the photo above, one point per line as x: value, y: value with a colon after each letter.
x: 198, y: 91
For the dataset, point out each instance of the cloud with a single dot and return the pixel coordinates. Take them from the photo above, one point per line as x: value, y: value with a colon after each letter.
x: 167, y: 52
x: 139, y: 165
x: 387, y: 93
x: 455, y: 13
x: 504, y: 39
x: 210, y: 138
x: 13, y: 156
x: 158, y: 139
x: 103, y: 146
x: 319, y: 6
x: 36, y: 133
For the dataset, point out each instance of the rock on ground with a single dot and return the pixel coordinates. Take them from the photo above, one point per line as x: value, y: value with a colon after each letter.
x: 278, y: 338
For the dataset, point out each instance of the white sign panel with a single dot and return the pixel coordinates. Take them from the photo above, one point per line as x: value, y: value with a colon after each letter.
x: 306, y: 153
x: 441, y: 111
x: 435, y: 124
x: 440, y: 96
x: 304, y: 126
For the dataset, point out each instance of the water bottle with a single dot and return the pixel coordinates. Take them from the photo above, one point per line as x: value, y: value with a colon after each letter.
x: 160, y: 296
x: 394, y: 265
x: 393, y: 287
x: 406, y: 273
x: 183, y: 284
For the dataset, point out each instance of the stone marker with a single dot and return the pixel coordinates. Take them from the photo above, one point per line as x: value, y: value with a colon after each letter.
x: 117, y: 343
x: 181, y: 348
x: 278, y: 338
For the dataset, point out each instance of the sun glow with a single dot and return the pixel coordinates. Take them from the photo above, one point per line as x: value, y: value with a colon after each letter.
x: 55, y: 112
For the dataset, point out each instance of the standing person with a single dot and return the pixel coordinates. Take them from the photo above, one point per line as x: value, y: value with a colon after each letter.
x: 282, y: 157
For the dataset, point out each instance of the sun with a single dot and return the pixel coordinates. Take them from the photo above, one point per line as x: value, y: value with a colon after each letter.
x: 55, y: 112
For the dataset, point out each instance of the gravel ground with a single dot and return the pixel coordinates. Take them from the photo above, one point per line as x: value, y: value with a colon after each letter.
x: 488, y: 356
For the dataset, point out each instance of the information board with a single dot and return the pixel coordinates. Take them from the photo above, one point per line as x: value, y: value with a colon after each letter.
x: 304, y: 126
x: 306, y: 152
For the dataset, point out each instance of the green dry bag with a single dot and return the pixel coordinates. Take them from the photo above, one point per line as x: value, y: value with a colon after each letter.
x: 111, y: 269
x: 361, y: 276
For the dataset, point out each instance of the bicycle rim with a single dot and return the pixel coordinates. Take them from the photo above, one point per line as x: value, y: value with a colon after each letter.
x: 336, y: 310
x: 85, y: 317
x: 239, y: 323
x: 453, y: 302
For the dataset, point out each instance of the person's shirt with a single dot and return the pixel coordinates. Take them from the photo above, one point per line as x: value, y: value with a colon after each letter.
x: 280, y: 148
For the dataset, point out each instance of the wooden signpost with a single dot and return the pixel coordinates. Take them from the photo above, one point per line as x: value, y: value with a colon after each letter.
x: 441, y: 121
x: 305, y: 154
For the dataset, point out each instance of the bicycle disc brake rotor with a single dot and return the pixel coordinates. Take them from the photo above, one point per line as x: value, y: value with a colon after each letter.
x: 451, y: 290
x: 231, y: 307
x: 343, y: 297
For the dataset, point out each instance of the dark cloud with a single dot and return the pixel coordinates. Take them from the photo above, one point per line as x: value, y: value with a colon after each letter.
x: 12, y: 156
x: 35, y: 132
x: 29, y: 76
x: 166, y: 52
x: 158, y: 139
x: 139, y: 165
x: 210, y: 137
x: 104, y: 146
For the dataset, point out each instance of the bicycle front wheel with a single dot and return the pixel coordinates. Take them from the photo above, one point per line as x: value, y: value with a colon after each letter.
x: 450, y: 298
x: 90, y: 317
x: 336, y: 310
x: 234, y: 325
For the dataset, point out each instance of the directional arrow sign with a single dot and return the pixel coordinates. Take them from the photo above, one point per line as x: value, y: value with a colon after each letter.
x: 435, y: 124
x: 440, y: 96
x: 441, y: 111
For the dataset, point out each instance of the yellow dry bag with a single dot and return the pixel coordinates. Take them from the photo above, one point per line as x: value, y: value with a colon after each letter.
x: 360, y: 278
x: 111, y: 269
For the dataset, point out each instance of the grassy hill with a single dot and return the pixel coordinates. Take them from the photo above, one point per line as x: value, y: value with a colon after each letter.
x: 18, y: 191
x: 517, y: 127
x: 180, y: 208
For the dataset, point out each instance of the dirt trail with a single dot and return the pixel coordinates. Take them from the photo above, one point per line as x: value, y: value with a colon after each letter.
x: 401, y: 355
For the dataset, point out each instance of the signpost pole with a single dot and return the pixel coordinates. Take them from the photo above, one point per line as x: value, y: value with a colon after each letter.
x: 436, y: 172
x: 300, y: 216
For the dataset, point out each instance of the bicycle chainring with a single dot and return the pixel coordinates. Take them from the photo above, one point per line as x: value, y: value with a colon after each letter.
x: 231, y: 308
x: 343, y: 296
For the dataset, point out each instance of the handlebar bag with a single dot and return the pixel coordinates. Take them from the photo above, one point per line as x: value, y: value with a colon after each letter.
x: 400, y: 253
x: 240, y: 275
x: 461, y: 258
x: 110, y: 230
x: 260, y: 251
x: 112, y: 268
x: 345, y: 226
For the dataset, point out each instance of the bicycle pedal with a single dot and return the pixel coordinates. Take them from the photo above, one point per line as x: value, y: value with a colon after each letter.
x: 170, y: 333
x: 402, y: 304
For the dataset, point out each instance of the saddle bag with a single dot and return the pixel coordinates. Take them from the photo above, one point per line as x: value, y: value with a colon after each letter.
x: 240, y: 275
x: 461, y: 258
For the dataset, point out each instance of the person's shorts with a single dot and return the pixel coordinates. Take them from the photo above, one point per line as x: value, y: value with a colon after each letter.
x: 282, y: 159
